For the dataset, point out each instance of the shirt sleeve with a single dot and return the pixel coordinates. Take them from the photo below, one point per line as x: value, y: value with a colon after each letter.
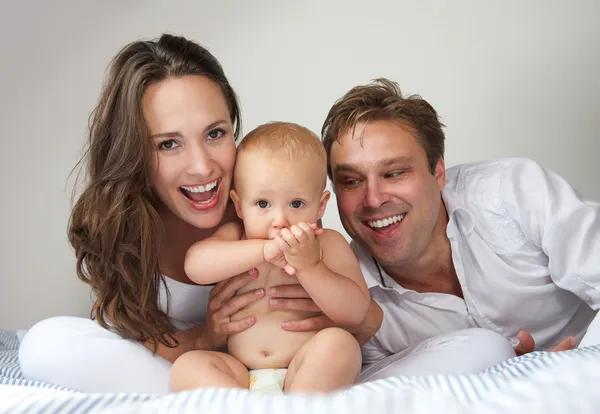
x: 372, y: 351
x: 555, y: 218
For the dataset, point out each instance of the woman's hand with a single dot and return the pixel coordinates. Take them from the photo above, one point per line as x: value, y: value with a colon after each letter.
x: 222, y: 304
x: 295, y: 297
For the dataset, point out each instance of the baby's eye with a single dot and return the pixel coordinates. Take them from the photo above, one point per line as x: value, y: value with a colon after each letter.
x: 262, y: 204
x: 297, y: 203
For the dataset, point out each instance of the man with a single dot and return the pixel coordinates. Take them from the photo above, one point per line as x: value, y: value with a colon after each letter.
x: 504, y: 245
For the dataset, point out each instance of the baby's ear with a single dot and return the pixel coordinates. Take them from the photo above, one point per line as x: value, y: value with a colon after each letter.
x: 237, y: 203
x: 323, y: 203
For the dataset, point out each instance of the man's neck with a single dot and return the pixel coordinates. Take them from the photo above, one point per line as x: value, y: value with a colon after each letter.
x: 434, y: 270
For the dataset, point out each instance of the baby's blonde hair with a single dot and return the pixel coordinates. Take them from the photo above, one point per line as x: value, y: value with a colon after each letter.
x: 288, y: 140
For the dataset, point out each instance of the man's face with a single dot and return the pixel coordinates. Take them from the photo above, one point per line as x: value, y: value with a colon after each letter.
x: 388, y: 199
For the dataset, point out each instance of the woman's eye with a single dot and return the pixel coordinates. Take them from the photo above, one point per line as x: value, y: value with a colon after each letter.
x: 167, y: 145
x: 297, y: 204
x: 216, y: 134
x: 262, y: 204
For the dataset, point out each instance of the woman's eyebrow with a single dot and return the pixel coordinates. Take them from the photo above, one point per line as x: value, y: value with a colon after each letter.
x: 173, y: 134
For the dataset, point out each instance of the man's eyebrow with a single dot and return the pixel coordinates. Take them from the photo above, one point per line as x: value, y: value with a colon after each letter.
x: 351, y: 168
x: 396, y: 160
x: 174, y: 134
x: 344, y: 168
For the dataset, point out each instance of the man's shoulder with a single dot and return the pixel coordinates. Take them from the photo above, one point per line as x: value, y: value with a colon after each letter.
x: 487, y: 177
x: 358, y: 250
x: 367, y: 264
x: 487, y: 191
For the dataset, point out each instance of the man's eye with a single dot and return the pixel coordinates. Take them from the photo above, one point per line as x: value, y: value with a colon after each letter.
x: 297, y: 203
x: 393, y: 174
x: 350, y: 183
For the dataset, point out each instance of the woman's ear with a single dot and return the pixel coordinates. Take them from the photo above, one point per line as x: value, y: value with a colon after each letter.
x: 237, y: 203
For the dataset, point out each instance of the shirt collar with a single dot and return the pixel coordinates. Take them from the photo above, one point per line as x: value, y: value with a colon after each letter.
x: 372, y: 271
x: 459, y: 217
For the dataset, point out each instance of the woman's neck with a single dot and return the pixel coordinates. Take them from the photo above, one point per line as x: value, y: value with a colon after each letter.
x: 178, y: 237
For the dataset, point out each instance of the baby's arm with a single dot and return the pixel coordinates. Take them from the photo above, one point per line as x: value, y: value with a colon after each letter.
x: 336, y: 283
x: 222, y: 255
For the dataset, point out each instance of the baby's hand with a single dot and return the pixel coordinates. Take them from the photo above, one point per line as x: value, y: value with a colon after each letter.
x: 273, y: 254
x: 300, y: 246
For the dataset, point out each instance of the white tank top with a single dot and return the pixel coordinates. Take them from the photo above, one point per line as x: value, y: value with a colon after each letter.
x: 187, y: 304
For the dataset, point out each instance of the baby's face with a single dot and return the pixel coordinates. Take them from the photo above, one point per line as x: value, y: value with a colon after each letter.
x: 272, y: 194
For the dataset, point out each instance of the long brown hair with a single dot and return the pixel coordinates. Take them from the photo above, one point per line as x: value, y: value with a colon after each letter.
x: 115, y: 228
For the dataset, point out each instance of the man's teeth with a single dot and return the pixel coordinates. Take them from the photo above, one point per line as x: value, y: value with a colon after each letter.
x: 377, y: 224
x: 201, y: 188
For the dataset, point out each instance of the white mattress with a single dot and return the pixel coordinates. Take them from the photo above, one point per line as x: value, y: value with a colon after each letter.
x: 565, y: 382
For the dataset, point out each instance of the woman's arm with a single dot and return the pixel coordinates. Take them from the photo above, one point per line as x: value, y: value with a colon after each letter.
x: 187, y: 341
x: 218, y: 257
x: 213, y: 333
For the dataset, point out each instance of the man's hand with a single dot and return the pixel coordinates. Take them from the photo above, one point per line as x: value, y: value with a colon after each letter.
x: 527, y: 344
x: 294, y: 297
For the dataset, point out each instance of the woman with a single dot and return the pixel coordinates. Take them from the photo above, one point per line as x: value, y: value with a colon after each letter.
x: 160, y: 160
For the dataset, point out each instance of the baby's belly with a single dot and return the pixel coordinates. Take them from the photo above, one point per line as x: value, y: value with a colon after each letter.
x: 266, y: 344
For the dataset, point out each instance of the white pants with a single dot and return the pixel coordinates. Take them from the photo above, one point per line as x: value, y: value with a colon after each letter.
x: 592, y: 336
x: 466, y: 351
x: 78, y: 353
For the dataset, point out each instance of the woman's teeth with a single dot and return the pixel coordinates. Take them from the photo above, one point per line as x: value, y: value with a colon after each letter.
x: 377, y: 224
x: 201, y: 188
x: 201, y: 193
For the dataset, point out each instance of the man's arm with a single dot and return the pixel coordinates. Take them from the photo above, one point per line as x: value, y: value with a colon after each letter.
x: 222, y: 255
x: 336, y: 283
x: 565, y: 226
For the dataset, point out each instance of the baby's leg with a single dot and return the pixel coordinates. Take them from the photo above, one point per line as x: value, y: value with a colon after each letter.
x: 330, y: 361
x: 208, y: 369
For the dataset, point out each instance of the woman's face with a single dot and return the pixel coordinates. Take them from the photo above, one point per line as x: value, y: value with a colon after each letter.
x: 190, y: 129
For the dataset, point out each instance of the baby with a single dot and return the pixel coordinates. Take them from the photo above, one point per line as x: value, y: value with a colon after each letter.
x: 279, y: 194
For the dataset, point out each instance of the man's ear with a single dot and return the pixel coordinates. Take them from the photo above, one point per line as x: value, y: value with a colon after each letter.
x: 323, y: 203
x: 440, y: 173
x: 237, y: 203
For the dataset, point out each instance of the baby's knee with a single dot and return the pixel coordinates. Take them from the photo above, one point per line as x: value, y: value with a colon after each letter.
x: 337, y: 342
x: 187, y: 366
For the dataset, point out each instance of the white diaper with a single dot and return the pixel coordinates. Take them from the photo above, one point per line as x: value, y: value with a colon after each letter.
x: 269, y: 380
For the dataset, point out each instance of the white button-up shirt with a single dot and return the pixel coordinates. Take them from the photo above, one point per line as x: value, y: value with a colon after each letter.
x: 526, y: 249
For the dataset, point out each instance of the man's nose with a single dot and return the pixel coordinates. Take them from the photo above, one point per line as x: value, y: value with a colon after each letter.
x: 374, y: 197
